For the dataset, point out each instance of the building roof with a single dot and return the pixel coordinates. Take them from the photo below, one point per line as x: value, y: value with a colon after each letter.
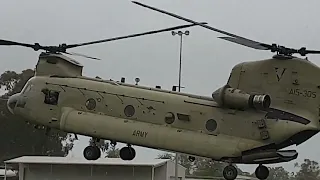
x: 73, y: 160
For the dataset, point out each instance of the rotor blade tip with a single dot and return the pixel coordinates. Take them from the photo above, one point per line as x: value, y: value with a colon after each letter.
x: 139, y: 3
x: 226, y: 37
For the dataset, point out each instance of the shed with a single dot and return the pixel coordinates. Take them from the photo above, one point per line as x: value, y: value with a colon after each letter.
x: 69, y: 168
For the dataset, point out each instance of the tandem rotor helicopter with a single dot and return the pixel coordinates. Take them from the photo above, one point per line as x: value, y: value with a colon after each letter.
x: 265, y: 106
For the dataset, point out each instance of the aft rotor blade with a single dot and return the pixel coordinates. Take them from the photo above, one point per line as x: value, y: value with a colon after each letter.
x: 254, y: 44
x: 245, y: 42
x: 133, y: 35
x: 312, y: 52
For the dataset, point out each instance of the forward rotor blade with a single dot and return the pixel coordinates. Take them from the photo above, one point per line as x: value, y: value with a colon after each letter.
x: 82, y: 55
x: 133, y: 35
x: 242, y: 39
x: 13, y: 43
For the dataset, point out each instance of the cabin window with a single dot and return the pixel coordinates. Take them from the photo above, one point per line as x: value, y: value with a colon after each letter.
x: 183, y: 117
x: 51, y: 96
x: 129, y: 110
x: 91, y: 104
x: 211, y: 125
x: 169, y: 118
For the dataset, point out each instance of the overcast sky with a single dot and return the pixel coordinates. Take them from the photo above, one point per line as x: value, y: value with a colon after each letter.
x: 207, y: 60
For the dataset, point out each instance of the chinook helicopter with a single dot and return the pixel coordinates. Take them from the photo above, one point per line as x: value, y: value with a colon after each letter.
x: 265, y: 106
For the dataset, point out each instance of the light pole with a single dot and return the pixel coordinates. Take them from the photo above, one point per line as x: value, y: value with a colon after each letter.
x: 180, y: 33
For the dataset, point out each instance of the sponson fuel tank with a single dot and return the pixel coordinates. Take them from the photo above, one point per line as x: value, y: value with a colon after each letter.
x: 150, y: 135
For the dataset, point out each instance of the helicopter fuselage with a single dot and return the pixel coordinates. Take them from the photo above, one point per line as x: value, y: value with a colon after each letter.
x: 265, y: 106
x: 156, y: 118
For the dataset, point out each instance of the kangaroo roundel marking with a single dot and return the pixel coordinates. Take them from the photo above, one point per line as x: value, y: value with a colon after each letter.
x: 211, y: 125
x: 129, y: 110
x: 91, y: 104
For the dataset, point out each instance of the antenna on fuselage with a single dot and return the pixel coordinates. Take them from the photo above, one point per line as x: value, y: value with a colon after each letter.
x: 137, y: 80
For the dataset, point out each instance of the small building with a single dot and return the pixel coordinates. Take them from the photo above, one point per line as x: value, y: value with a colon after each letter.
x: 69, y: 168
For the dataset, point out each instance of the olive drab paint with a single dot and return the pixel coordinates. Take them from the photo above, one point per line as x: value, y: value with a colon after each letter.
x: 265, y: 105
x: 196, y: 125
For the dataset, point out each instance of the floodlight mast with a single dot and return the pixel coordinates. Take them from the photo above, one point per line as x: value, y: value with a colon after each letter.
x: 180, y: 33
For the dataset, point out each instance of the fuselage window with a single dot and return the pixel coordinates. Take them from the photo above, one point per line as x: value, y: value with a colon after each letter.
x: 51, y: 96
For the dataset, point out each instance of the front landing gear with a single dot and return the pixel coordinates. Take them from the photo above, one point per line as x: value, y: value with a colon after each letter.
x: 262, y: 172
x: 92, y: 153
x: 230, y: 172
x: 127, y: 153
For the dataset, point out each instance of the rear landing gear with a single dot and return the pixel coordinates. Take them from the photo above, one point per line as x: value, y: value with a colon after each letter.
x: 127, y: 153
x: 262, y: 172
x: 230, y: 172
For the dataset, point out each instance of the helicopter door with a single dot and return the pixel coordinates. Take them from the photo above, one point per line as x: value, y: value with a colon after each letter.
x: 51, y: 100
x: 51, y: 96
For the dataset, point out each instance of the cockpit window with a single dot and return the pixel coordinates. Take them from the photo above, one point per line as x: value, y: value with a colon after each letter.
x: 27, y: 88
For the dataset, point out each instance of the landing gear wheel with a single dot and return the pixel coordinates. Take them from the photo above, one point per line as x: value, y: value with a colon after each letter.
x: 262, y: 172
x: 191, y: 158
x: 92, y: 153
x: 230, y: 172
x: 127, y: 153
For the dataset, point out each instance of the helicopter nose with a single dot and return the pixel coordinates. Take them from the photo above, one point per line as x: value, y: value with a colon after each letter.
x: 12, y: 102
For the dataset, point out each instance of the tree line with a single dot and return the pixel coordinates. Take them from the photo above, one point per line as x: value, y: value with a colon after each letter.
x: 20, y: 138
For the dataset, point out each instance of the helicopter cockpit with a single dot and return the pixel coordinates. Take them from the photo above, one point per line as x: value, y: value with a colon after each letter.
x: 18, y: 99
x: 27, y: 87
x: 12, y: 102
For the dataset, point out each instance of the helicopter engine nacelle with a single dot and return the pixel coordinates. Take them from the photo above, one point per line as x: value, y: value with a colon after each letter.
x: 237, y: 99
